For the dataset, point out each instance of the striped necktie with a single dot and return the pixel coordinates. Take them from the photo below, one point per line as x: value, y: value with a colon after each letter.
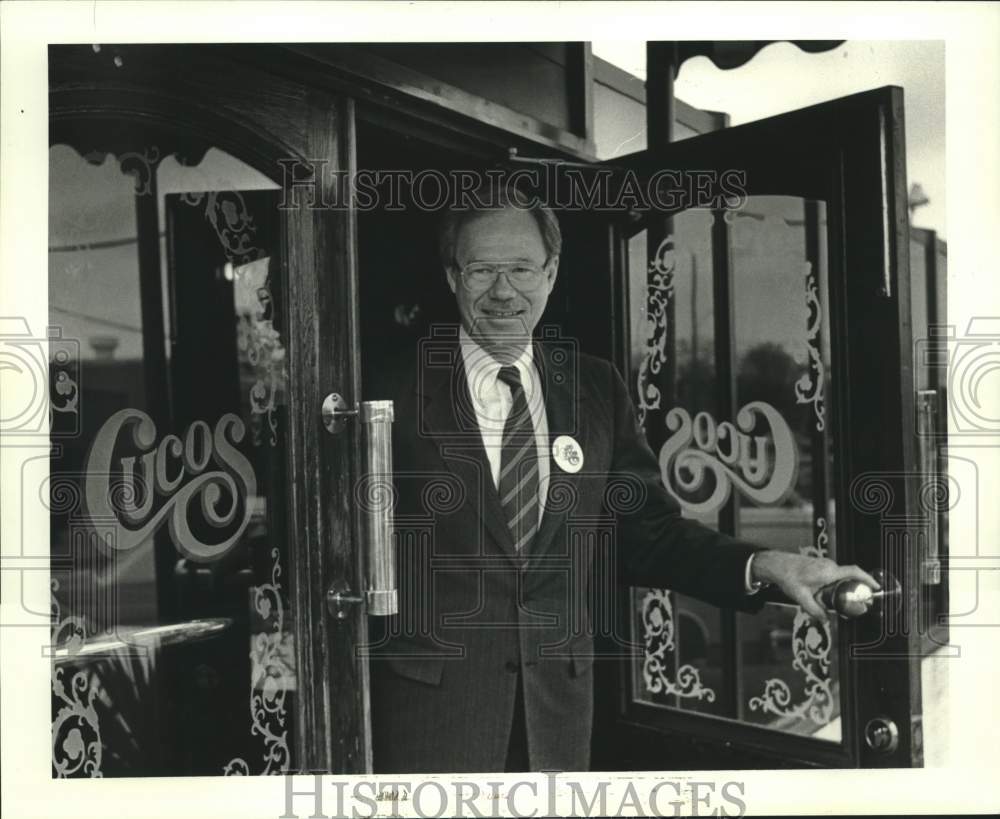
x: 518, y: 464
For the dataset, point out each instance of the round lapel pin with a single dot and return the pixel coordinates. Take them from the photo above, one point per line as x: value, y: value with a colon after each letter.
x: 567, y: 454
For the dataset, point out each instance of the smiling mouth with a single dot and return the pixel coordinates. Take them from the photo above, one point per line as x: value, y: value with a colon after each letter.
x: 503, y: 313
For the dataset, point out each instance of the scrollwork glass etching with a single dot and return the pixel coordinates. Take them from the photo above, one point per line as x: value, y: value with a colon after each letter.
x: 77, y: 749
x: 272, y: 661
x: 812, y: 642
x: 809, y: 387
x: 660, y: 290
x: 657, y: 613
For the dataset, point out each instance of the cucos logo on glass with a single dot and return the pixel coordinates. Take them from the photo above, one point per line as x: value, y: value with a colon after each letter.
x: 204, y: 467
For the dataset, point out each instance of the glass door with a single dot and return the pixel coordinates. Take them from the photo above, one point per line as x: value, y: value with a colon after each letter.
x: 192, y: 489
x: 770, y: 352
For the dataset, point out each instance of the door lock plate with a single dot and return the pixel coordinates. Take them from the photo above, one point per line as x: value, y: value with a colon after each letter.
x: 335, y: 413
x: 882, y: 735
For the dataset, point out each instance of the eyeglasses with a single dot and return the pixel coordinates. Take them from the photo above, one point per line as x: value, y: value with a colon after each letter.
x: 522, y: 275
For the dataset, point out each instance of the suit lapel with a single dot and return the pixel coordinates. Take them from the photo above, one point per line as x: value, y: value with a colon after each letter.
x: 450, y: 421
x: 563, y: 400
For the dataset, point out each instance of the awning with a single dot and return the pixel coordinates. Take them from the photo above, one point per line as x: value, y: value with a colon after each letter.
x: 734, y: 53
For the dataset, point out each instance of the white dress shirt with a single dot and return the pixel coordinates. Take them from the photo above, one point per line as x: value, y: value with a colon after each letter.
x: 492, y: 401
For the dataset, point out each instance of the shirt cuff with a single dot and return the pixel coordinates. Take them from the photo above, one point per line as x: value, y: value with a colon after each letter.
x: 752, y: 586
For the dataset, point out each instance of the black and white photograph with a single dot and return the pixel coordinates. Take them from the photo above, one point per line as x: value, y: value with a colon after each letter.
x: 499, y: 409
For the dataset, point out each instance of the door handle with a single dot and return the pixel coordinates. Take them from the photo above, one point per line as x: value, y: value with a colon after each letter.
x: 853, y: 598
x: 849, y: 598
x: 376, y: 501
x: 380, y: 591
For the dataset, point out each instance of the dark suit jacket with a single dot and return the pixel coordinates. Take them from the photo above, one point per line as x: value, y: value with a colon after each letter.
x: 475, y: 616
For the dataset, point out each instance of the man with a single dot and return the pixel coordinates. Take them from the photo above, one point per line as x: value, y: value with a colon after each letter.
x: 511, y: 456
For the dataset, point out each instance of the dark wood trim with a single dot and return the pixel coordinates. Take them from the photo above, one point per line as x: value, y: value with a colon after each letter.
x: 755, y: 746
x: 321, y: 273
x: 580, y: 91
x: 372, y: 77
x: 619, y: 238
x: 843, y: 465
x: 881, y: 391
x: 354, y: 554
x: 474, y: 147
x: 619, y: 301
x: 724, y: 330
x: 661, y: 69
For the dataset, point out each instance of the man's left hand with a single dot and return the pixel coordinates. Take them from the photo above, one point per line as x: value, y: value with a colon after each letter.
x: 801, y: 578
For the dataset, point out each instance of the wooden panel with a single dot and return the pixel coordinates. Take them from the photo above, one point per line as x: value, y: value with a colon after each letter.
x: 511, y: 74
x: 321, y: 280
x: 580, y: 89
x: 376, y: 79
x: 215, y: 92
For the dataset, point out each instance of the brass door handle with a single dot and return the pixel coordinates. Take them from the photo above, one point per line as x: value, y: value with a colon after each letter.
x: 848, y: 598
x: 853, y: 598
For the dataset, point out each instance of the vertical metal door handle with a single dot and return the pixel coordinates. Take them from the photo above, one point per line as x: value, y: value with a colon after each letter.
x: 928, y: 438
x: 376, y: 500
x: 380, y: 563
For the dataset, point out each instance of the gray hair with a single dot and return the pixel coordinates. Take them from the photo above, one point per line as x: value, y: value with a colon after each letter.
x: 493, y: 195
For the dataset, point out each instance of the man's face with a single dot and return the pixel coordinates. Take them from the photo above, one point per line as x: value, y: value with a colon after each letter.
x: 501, y: 316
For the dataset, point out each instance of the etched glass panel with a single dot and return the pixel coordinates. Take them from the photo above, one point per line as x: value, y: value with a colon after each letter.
x: 768, y: 467
x: 673, y: 359
x: 172, y: 647
x: 789, y: 665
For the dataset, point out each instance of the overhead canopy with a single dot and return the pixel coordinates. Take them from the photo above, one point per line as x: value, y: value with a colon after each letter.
x: 734, y: 53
